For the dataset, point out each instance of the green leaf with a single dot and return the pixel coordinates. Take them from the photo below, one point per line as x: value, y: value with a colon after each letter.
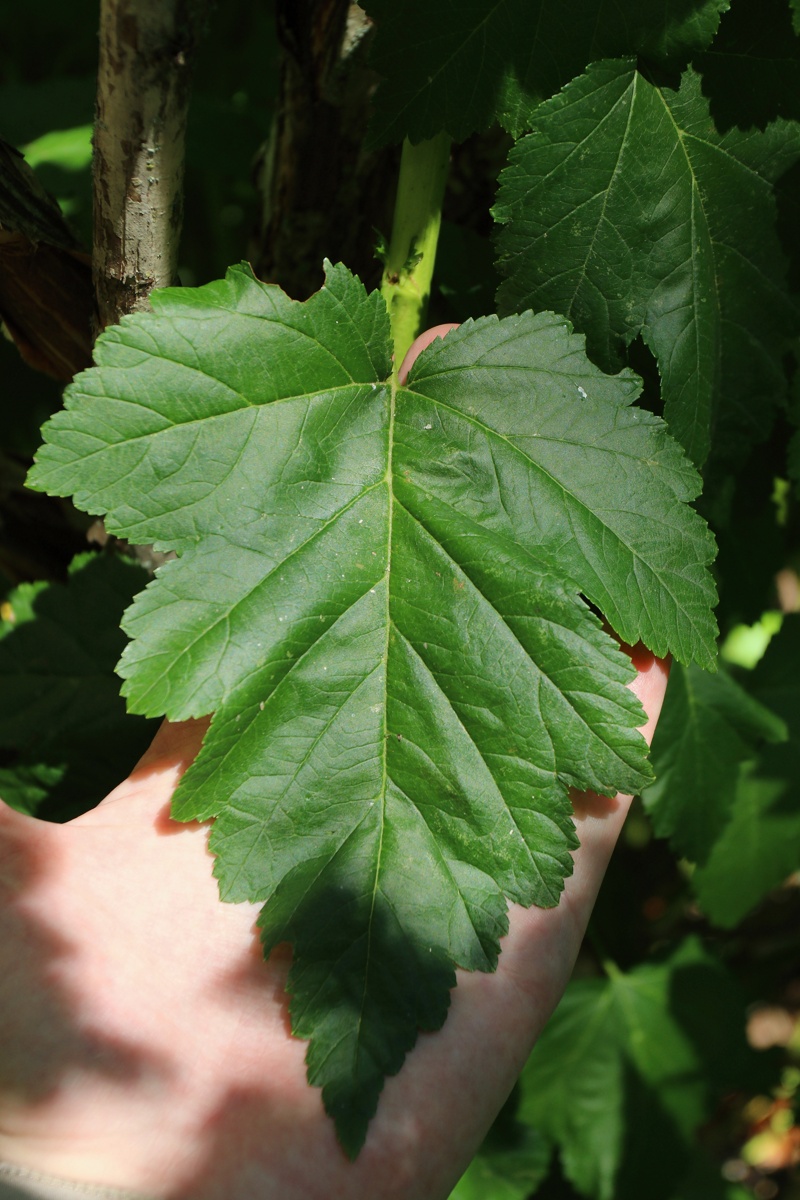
x: 760, y: 846
x: 755, y: 541
x: 704, y: 1181
x: 751, y: 73
x: 379, y: 595
x: 459, y: 67
x: 795, y: 7
x: 70, y: 149
x: 629, y: 1066
x: 627, y: 211
x: 61, y: 713
x: 27, y: 786
x: 793, y: 460
x: 708, y: 727
x: 506, y: 1171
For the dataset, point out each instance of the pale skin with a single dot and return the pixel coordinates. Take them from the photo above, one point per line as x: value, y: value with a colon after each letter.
x: 145, y: 1042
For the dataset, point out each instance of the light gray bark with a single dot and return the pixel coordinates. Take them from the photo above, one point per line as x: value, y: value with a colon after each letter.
x: 146, y: 53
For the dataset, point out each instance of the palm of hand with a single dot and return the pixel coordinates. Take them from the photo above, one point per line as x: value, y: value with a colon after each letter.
x: 147, y: 1044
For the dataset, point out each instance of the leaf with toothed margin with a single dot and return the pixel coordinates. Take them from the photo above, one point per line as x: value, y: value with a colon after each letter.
x: 629, y: 212
x: 381, y: 593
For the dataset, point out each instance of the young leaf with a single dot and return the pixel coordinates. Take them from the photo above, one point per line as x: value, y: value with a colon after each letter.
x: 460, y: 67
x: 760, y: 846
x: 61, y: 713
x: 629, y: 1066
x: 378, y: 595
x: 708, y: 727
x: 627, y: 211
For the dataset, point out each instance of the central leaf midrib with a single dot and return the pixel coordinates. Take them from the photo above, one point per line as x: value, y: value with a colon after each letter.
x: 389, y: 481
x: 279, y: 801
x: 543, y: 674
x: 608, y: 190
x: 529, y: 854
x: 681, y: 137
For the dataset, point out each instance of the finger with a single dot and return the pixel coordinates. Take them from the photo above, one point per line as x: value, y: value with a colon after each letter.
x: 417, y: 346
x: 599, y: 819
x: 176, y: 741
x: 649, y: 685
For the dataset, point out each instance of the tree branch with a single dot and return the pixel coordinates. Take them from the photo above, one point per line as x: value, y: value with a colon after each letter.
x: 322, y: 193
x: 146, y: 53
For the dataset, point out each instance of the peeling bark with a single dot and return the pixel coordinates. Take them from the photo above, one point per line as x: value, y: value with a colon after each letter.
x: 146, y: 53
x: 322, y: 194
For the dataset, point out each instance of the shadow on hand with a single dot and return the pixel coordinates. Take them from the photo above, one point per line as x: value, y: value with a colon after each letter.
x: 43, y: 1038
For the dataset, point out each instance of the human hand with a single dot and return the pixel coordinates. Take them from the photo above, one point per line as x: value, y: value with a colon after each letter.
x: 146, y: 1044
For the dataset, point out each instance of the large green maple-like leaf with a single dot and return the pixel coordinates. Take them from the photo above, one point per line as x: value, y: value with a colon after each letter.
x: 630, y: 1065
x: 627, y: 211
x: 379, y: 596
x: 459, y: 67
x: 708, y: 727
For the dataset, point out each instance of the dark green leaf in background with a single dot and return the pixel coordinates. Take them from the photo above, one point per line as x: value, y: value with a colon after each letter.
x: 461, y: 66
x: 506, y: 1169
x: 709, y: 726
x: 760, y: 846
x: 629, y: 1066
x: 704, y: 1181
x: 65, y: 737
x: 627, y: 211
x: 756, y: 526
x: 793, y: 461
x: 751, y: 74
x: 379, y: 595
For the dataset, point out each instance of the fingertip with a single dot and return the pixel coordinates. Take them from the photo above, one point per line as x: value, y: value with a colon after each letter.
x: 650, y: 684
x: 176, y: 743
x: 421, y: 343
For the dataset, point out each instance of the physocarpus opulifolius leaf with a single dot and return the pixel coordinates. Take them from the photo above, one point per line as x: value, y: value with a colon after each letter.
x: 381, y: 594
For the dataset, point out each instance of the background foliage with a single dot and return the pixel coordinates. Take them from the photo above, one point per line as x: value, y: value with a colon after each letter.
x: 654, y: 201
